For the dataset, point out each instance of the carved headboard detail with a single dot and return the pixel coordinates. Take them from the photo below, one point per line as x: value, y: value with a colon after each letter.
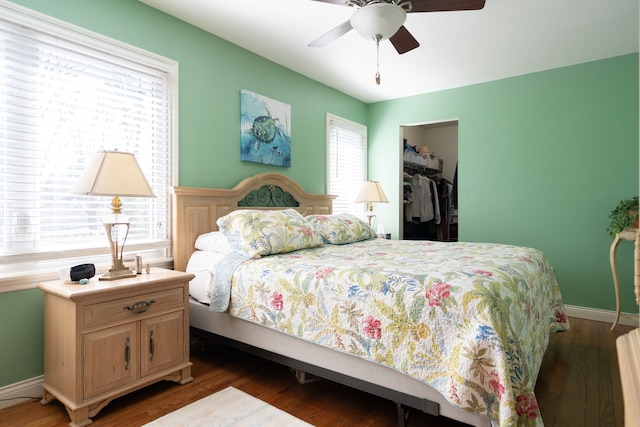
x: 194, y: 211
x: 269, y: 196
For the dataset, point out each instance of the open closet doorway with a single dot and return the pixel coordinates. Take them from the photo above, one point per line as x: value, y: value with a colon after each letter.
x: 429, y: 206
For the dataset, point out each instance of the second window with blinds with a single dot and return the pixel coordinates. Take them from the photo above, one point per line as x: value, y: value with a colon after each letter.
x: 346, y: 163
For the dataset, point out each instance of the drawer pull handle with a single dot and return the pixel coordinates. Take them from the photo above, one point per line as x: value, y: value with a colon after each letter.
x: 151, y: 346
x: 139, y: 307
x: 127, y: 353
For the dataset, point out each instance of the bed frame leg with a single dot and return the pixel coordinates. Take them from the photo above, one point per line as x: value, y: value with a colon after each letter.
x: 403, y: 415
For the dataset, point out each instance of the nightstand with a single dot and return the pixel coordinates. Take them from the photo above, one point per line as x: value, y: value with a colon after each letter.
x: 105, y: 339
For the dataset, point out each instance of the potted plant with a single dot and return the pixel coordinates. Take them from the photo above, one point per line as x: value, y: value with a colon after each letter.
x: 624, y: 216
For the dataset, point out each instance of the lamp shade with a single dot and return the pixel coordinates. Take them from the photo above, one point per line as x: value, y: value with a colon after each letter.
x: 113, y: 173
x: 378, y: 19
x: 371, y: 192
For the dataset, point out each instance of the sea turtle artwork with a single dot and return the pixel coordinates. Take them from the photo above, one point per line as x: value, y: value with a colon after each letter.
x: 266, y: 130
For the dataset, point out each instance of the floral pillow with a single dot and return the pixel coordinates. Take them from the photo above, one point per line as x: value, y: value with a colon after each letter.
x: 258, y: 233
x: 341, y: 228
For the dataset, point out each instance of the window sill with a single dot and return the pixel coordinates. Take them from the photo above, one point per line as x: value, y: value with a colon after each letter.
x: 29, y: 280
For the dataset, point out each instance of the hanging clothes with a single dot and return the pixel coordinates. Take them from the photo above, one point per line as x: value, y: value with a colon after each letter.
x: 435, y: 201
x: 454, y: 190
x: 422, y: 206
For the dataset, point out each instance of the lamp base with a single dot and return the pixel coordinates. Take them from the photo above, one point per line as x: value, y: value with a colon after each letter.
x: 117, y: 274
x: 117, y: 227
x: 118, y: 271
x: 371, y: 217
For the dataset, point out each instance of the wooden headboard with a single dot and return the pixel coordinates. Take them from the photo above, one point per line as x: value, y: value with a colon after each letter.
x: 194, y: 211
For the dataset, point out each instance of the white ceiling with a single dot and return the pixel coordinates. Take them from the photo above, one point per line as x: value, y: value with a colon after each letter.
x: 506, y: 38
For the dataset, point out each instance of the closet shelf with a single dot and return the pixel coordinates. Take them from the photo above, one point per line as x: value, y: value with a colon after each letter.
x: 414, y: 168
x: 422, y: 161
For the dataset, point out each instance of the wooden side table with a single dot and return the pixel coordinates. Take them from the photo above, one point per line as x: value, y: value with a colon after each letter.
x: 629, y: 234
x: 107, y: 338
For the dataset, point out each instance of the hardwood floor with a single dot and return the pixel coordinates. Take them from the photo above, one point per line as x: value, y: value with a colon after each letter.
x: 578, y: 385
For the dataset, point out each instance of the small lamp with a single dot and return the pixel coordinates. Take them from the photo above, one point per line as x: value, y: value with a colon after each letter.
x: 114, y: 173
x: 370, y: 193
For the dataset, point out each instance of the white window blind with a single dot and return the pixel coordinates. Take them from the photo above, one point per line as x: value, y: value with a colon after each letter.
x: 347, y: 163
x: 66, y: 93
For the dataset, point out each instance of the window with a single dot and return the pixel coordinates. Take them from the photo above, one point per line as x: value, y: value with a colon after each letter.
x: 66, y: 93
x: 346, y: 163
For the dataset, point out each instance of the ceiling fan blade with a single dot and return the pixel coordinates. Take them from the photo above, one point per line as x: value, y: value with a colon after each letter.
x: 403, y: 41
x: 327, y: 38
x: 342, y: 2
x: 445, y: 5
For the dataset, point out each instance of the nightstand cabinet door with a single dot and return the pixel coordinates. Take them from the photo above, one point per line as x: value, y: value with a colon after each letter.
x: 163, y: 343
x: 110, y: 359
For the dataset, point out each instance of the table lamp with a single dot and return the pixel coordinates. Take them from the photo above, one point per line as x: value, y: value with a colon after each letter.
x: 370, y: 193
x: 114, y: 173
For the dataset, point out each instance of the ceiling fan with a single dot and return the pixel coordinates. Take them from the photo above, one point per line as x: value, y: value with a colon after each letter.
x: 383, y: 19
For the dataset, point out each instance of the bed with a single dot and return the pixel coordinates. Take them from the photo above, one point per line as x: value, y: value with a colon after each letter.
x: 453, y: 329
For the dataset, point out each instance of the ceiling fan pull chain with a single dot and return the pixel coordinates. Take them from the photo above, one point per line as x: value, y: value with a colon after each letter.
x: 378, y: 59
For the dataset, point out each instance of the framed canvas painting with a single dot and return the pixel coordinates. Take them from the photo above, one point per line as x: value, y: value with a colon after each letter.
x: 265, y: 135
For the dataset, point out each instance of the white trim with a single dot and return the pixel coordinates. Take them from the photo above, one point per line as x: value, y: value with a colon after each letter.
x: 27, y: 389
x: 606, y: 316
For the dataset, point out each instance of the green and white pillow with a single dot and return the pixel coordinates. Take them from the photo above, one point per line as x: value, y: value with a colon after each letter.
x: 258, y: 233
x: 340, y: 229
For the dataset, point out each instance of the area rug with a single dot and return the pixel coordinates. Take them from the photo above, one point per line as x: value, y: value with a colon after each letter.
x: 228, y: 408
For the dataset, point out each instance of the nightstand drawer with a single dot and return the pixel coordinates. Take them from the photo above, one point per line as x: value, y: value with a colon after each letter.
x: 127, y: 308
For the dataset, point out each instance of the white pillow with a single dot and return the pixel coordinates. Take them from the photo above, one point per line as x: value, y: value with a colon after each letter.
x: 214, y: 241
x: 203, y: 264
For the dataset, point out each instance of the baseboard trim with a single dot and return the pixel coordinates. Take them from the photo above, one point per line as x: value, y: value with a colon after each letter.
x: 23, y: 391
x: 20, y: 392
x: 607, y: 316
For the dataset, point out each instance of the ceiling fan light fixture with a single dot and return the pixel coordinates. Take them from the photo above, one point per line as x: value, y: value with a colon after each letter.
x: 378, y: 19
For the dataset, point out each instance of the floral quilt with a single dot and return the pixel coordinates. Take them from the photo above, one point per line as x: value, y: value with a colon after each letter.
x: 471, y: 320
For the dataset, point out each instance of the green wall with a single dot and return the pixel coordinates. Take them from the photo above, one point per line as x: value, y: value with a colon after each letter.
x: 22, y: 335
x: 543, y: 157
